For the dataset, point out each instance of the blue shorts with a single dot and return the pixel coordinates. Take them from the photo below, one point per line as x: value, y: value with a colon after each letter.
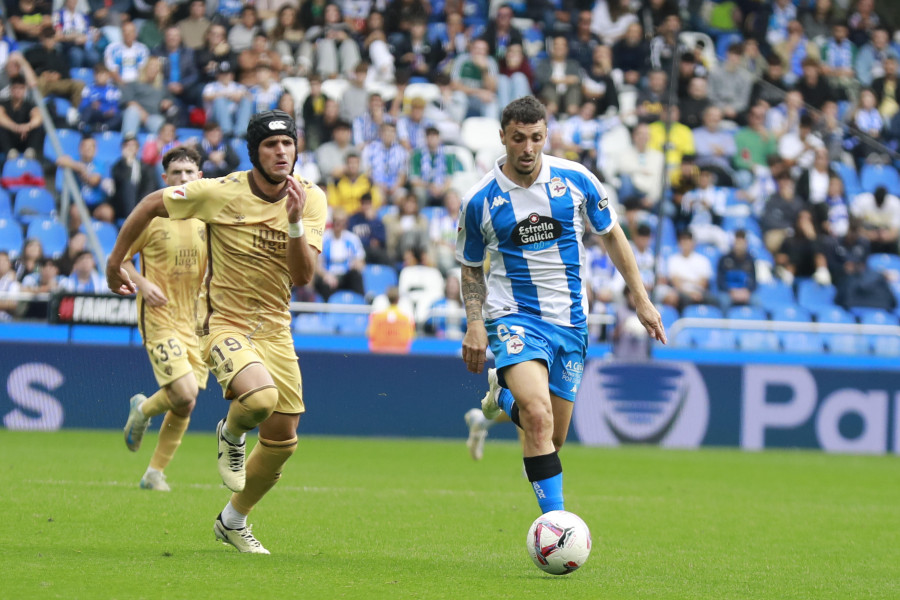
x: 519, y: 338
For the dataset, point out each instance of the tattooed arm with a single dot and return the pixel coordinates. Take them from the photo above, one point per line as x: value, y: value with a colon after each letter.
x: 474, y: 292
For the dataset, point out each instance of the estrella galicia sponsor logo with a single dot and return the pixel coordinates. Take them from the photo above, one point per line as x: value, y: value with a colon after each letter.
x: 642, y: 403
x: 536, y: 232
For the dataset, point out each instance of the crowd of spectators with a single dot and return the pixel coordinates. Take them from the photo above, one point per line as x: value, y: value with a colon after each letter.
x: 756, y: 141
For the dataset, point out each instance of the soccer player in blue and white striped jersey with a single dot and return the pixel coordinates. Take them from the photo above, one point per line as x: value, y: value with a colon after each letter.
x: 528, y: 215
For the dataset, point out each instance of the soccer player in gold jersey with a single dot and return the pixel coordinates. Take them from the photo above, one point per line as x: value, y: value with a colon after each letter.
x: 173, y: 262
x: 264, y: 232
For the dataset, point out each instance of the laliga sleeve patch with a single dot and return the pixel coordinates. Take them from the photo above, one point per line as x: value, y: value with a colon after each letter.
x: 604, y: 202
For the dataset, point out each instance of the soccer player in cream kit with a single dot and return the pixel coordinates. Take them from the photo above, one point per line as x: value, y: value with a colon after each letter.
x: 529, y: 215
x: 264, y: 232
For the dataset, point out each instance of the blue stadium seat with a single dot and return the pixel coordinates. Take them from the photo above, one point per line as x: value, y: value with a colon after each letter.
x: 82, y: 74
x: 437, y: 31
x: 724, y: 41
x: 312, y: 324
x: 747, y: 313
x: 346, y: 297
x: 791, y: 313
x: 846, y: 343
x: 669, y: 315
x: 889, y: 264
x: 758, y: 341
x: 685, y: 338
x: 748, y: 224
x: 387, y: 209
x: 874, y: 316
x: 106, y: 234
x: 886, y: 345
x: 833, y: 314
x: 714, y: 339
x: 378, y: 278
x: 109, y: 146
x: 240, y: 148
x: 61, y: 106
x: 849, y: 176
x: 11, y: 239
x: 347, y: 324
x: 19, y: 168
x: 52, y: 235
x: 702, y: 311
x: 186, y: 134
x: 68, y: 139
x: 812, y: 295
x: 797, y: 341
x: 874, y: 176
x: 6, y: 210
x: 713, y: 254
x: 775, y: 294
x: 532, y: 40
x: 434, y: 212
x: 34, y: 203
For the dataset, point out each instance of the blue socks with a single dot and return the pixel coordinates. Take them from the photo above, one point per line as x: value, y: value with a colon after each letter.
x: 506, y: 400
x: 545, y: 474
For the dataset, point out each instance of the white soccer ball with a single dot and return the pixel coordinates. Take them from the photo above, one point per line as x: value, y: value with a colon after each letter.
x: 634, y: 327
x: 559, y: 542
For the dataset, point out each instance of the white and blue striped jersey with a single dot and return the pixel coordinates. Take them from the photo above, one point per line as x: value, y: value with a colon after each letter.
x: 534, y: 239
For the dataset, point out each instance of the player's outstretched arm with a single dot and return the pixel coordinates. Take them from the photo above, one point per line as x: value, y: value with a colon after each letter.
x: 117, y: 278
x: 301, y: 257
x: 620, y: 252
x: 474, y: 290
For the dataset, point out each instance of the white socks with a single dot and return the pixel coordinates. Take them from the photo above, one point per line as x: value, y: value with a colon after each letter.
x: 232, y: 518
x: 230, y: 436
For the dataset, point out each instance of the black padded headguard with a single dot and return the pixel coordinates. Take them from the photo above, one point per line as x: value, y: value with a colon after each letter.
x: 267, y: 124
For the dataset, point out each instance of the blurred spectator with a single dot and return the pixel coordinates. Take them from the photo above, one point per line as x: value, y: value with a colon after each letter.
x: 515, y: 76
x: 76, y: 245
x: 650, y: 100
x: 705, y: 207
x: 332, y: 156
x: 156, y: 147
x: 193, y: 28
x: 689, y: 68
x: 780, y: 213
x: 609, y: 19
x: 817, y: 22
x: 862, y: 287
x: 20, y: 123
x: 754, y: 142
x: 91, y: 172
x: 259, y: 54
x: 500, y: 33
x: 330, y: 46
x: 631, y: 55
x: 644, y: 254
x: 417, y: 55
x: 367, y: 126
x: 347, y: 191
x: 771, y: 87
x: 605, y: 284
x: 798, y: 149
x: 736, y: 273
x: 557, y: 78
x: 380, y: 53
x: 852, y: 246
x: 218, y: 158
x: 870, y: 58
x: 730, y: 84
x: 72, y: 25
x: 286, y: 37
x: 51, y: 65
x: 132, y: 179
x: 27, y: 19
x: 815, y: 87
x: 665, y: 47
x: 127, y: 58
x: 341, y: 261
x: 783, y: 12
x: 831, y: 130
x: 399, y: 15
x: 356, y: 98
x: 833, y: 215
x: 227, y: 102
x: 241, y: 35
x: 8, y: 285
x: 869, y: 126
x: 147, y: 103
x: 581, y: 134
x: 179, y: 68
x: 28, y: 261
x: 813, y: 183
x: 785, y: 117
x: 629, y: 338
x: 370, y: 231
x: 689, y: 273
x: 151, y: 32
x: 713, y: 145
x: 407, y: 230
x: 598, y: 85
x: 639, y: 169
x: 695, y: 103
x: 46, y: 280
x: 474, y: 81
x: 411, y: 128
x: 652, y: 14
x: 386, y: 162
x: 583, y: 41
x: 442, y: 229
x: 391, y: 330
x: 887, y: 89
x: 305, y: 166
x: 267, y: 91
x: 455, y: 42
x: 863, y: 21
x: 680, y: 141
x: 753, y: 60
x: 447, y: 319
x: 85, y: 278
x: 880, y: 217
x: 431, y: 169
x: 215, y: 53
x: 838, y: 55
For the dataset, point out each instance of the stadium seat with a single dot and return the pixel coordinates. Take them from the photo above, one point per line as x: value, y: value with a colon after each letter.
x: 479, y: 133
x: 668, y: 234
x: 532, y: 41
x: 775, y: 294
x: 106, y: 235
x: 812, y: 295
x: 68, y: 140
x: 11, y: 238
x: 5, y: 205
x: 724, y: 41
x: 335, y: 88
x: 713, y: 254
x: 312, y: 324
x: 22, y: 173
x: 349, y: 324
x: 463, y: 181
x: 34, y: 203
x: 109, y: 146
x: 846, y: 343
x: 747, y: 313
x: 437, y: 32
x: 873, y: 316
x: 669, y: 315
x: 701, y: 311
x: 685, y: 338
x: 790, y: 313
x: 463, y: 155
x: 849, y: 176
x: 82, y: 74
x: 758, y: 341
x: 346, y: 297
x: 888, y: 264
x: 692, y: 38
x: 428, y: 92
x: 714, y: 339
x: 798, y: 341
x: 240, y: 148
x: 298, y: 88
x: 874, y: 176
x: 187, y: 134
x: 833, y: 314
x: 748, y: 224
x: 52, y: 235
x: 886, y: 345
x: 423, y: 286
x: 378, y: 278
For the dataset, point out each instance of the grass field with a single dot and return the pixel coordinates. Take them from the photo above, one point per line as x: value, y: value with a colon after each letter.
x: 376, y: 518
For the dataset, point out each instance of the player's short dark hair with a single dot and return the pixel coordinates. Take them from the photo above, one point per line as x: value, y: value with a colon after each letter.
x: 527, y: 109
x: 178, y: 153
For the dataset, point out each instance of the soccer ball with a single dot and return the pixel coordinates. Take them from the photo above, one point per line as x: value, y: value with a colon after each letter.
x: 559, y: 542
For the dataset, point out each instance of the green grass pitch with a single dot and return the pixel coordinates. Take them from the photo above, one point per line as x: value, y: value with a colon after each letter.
x: 379, y: 518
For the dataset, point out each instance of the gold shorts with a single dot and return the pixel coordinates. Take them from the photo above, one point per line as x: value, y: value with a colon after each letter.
x: 228, y: 352
x: 175, y: 355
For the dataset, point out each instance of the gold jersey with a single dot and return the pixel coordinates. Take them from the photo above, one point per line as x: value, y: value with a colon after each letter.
x: 248, y: 285
x: 173, y: 256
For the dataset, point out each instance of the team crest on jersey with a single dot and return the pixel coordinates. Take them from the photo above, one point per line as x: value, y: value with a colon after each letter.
x: 557, y: 187
x: 536, y: 232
